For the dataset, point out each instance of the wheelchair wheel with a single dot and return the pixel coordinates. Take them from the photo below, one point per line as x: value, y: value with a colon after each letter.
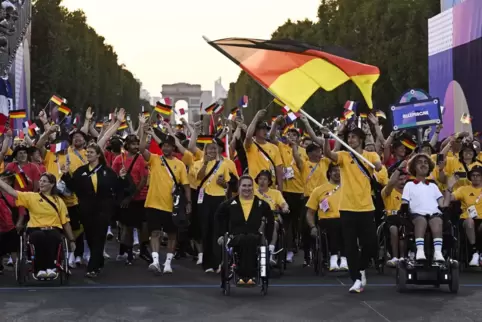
x: 264, y: 287
x: 382, y: 249
x: 21, y: 272
x: 226, y: 286
x: 63, y: 262
x: 318, y: 255
x: 281, y: 257
x: 454, y: 278
x: 401, y: 277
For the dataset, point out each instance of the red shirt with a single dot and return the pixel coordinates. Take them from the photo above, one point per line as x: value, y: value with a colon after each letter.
x: 6, y: 220
x: 31, y: 171
x: 109, y: 157
x: 139, y: 170
x: 42, y: 168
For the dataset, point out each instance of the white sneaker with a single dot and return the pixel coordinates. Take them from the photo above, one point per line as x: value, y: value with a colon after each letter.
x: 110, y: 235
x: 420, y: 255
x: 78, y: 260
x: 167, y: 268
x: 106, y: 256
x: 121, y: 258
x: 10, y: 261
x: 392, y: 262
x: 357, y: 287
x: 209, y: 270
x: 363, y: 278
x: 289, y: 257
x: 51, y: 273
x: 86, y: 258
x: 199, y: 259
x: 136, y: 238
x: 72, y: 263
x: 343, y: 264
x: 155, y: 267
x: 438, y: 257
x: 334, y: 263
x: 42, y: 274
x: 474, y: 262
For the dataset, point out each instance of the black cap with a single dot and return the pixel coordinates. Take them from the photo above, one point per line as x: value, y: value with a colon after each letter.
x: 267, y: 174
x: 476, y: 168
x: 312, y: 147
x: 358, y: 132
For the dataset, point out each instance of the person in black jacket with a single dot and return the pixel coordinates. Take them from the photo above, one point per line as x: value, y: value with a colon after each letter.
x: 95, y: 185
x: 245, y: 217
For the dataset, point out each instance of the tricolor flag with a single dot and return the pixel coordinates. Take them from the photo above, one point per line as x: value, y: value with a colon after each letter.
x: 64, y: 109
x: 293, y: 71
x: 210, y: 109
x: 27, y: 124
x: 466, y: 118
x: 76, y: 121
x: 20, y: 178
x: 409, y: 144
x: 218, y: 109
x: 293, y: 116
x: 363, y: 115
x: 58, y: 147
x: 123, y: 126
x: 243, y: 101
x: 17, y: 114
x: 163, y: 109
x: 287, y: 128
x: 204, y: 139
x: 99, y: 125
x: 234, y: 112
x: 348, y: 114
x: 285, y: 110
x: 146, y: 114
x: 58, y: 100
x: 179, y: 127
x: 381, y: 114
x: 351, y: 105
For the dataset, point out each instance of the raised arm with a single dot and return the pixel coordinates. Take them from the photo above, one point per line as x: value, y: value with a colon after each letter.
x: 318, y: 140
x: 252, y: 128
x: 142, y: 137
x: 113, y: 129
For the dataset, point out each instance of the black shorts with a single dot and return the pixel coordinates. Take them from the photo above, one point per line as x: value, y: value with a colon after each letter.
x: 134, y: 215
x: 74, y: 215
x: 195, y: 226
x: 9, y: 242
x: 393, y: 220
x: 160, y: 220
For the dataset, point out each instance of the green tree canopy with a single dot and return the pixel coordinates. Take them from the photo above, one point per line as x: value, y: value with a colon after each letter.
x: 390, y: 34
x: 71, y: 60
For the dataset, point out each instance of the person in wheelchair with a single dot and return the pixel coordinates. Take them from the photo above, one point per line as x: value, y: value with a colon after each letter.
x: 422, y: 200
x: 47, y: 217
x: 392, y: 199
x: 324, y: 201
x: 275, y: 200
x: 243, y: 217
x: 470, y: 199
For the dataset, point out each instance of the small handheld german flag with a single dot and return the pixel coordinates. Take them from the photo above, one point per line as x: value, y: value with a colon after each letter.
x: 163, y: 109
x: 123, y: 126
x: 64, y: 109
x: 99, y: 125
x: 204, y: 139
x: 210, y: 109
x: 17, y: 114
x: 21, y: 181
x: 58, y: 100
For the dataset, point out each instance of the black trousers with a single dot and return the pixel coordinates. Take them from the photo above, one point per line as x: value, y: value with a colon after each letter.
x: 211, y: 249
x: 96, y: 218
x: 46, y: 244
x: 291, y: 221
x: 359, y: 231
x: 334, y: 234
x: 74, y: 215
x: 246, y: 247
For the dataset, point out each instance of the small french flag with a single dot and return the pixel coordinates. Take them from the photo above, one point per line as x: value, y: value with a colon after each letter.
x: 60, y: 146
x: 351, y: 105
x: 27, y: 124
x: 293, y: 116
x: 243, y: 101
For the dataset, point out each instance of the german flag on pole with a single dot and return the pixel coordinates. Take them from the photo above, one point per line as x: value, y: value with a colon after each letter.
x: 57, y: 100
x: 204, y: 139
x: 18, y: 114
x: 210, y: 109
x: 20, y: 178
x: 292, y: 71
x: 123, y: 126
x: 64, y: 109
x: 163, y: 109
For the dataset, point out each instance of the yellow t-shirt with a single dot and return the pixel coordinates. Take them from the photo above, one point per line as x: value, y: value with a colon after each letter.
x: 198, y: 155
x: 257, y: 161
x: 273, y: 197
x: 468, y: 195
x: 246, y: 204
x: 314, y: 175
x: 294, y: 185
x: 212, y: 188
x: 187, y: 158
x: 51, y: 165
x: 93, y: 177
x: 392, y: 202
x: 41, y: 213
x: 159, y: 193
x: 453, y: 166
x: 231, y: 167
x: 356, y: 191
x: 330, y: 191
x: 382, y: 176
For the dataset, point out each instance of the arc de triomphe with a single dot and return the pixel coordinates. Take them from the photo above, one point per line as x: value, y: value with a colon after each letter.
x: 187, y: 92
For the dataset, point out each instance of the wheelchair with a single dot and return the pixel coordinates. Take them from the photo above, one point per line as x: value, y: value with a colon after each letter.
x: 383, y: 243
x: 321, y: 252
x: 280, y: 249
x: 429, y: 272
x: 25, y: 265
x: 230, y: 260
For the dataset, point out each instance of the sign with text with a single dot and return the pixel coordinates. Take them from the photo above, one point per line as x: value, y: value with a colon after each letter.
x: 416, y: 114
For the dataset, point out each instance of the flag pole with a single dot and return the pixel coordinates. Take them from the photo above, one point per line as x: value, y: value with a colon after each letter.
x: 308, y: 116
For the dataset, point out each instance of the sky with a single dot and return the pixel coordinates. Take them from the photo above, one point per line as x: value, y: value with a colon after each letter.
x: 160, y: 41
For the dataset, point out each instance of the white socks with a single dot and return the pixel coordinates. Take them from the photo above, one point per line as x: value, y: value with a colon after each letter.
x: 420, y: 244
x: 437, y: 244
x: 169, y: 258
x: 271, y: 249
x: 155, y: 257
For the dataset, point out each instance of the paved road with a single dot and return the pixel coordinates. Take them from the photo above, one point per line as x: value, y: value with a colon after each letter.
x: 134, y: 294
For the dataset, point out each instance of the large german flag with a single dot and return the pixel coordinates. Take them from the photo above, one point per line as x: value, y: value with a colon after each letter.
x: 292, y: 71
